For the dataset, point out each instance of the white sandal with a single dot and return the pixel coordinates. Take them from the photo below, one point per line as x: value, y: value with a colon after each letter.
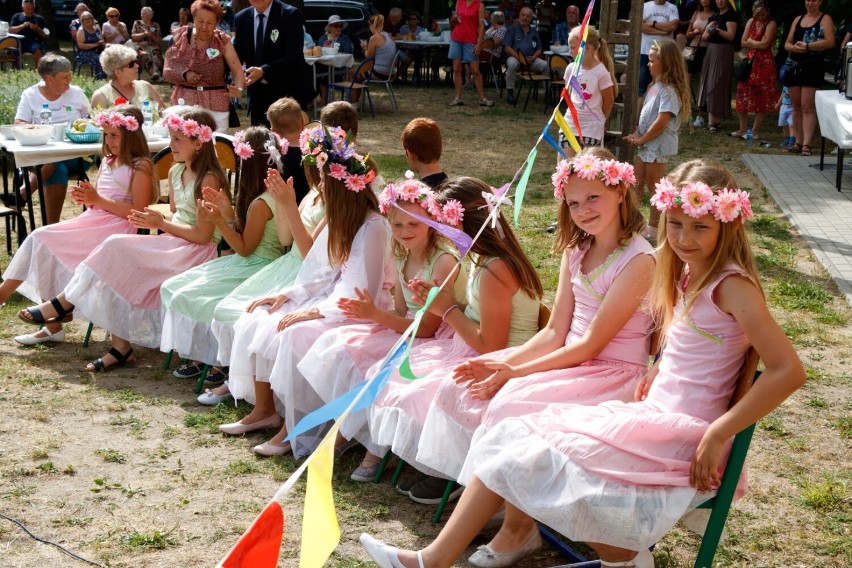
x: 642, y: 560
x: 383, y: 555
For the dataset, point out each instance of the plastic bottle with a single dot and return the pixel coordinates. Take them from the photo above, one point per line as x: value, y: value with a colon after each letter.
x: 807, y: 36
x: 749, y: 137
x: 181, y: 102
x: 821, y: 34
x: 147, y: 113
x: 45, y: 115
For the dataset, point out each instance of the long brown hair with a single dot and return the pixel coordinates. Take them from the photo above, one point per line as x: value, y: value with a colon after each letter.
x: 732, y: 247
x: 491, y: 243
x: 133, y: 150
x: 205, y: 160
x: 345, y: 211
x: 674, y: 74
x: 253, y: 171
x: 569, y: 235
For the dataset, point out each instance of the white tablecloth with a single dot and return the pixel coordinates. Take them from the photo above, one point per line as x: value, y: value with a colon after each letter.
x: 339, y: 60
x: 834, y: 112
x: 57, y: 151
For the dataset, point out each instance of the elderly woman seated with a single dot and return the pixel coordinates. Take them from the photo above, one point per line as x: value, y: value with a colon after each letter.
x: 147, y: 36
x: 66, y: 102
x: 114, y: 30
x: 122, y: 68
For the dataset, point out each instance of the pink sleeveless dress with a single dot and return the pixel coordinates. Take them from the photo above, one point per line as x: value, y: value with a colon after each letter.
x: 454, y: 415
x: 46, y: 260
x: 618, y: 473
x: 117, y: 287
x: 339, y: 360
x: 398, y: 414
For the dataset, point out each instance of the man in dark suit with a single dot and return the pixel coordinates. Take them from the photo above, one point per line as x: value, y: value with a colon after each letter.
x: 269, y: 40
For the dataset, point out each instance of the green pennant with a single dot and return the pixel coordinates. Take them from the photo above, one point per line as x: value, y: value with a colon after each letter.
x: 522, y: 184
x: 404, y: 367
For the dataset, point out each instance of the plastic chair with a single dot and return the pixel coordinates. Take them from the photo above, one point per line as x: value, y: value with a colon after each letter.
x: 719, y: 506
x: 527, y: 76
x: 558, y: 64
x: 387, y: 83
x: 363, y: 73
x: 224, y: 146
x: 9, y: 53
x: 487, y: 59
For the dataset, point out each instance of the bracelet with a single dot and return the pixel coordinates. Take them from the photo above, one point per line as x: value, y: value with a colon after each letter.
x: 444, y: 317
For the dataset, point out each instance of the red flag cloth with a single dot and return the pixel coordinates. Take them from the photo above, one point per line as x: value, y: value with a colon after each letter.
x: 572, y: 109
x: 260, y: 545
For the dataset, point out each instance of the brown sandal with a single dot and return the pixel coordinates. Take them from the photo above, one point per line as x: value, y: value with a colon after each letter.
x: 806, y: 150
x: 795, y: 148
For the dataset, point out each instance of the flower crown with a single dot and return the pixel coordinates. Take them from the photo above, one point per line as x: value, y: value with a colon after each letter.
x: 589, y: 167
x: 697, y: 199
x: 333, y: 152
x: 272, y: 146
x: 450, y: 213
x: 410, y: 190
x: 117, y: 120
x: 188, y: 127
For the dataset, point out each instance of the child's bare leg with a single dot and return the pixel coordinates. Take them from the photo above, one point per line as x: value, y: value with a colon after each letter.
x: 264, y: 405
x: 514, y: 532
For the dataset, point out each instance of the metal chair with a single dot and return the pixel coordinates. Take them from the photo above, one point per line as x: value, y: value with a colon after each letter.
x: 527, y: 76
x: 387, y: 83
x: 359, y: 81
x: 494, y: 65
x: 9, y: 53
x: 558, y: 64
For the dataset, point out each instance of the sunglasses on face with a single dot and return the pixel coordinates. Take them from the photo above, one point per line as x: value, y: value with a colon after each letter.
x: 132, y: 64
x: 111, y: 16
x: 339, y: 26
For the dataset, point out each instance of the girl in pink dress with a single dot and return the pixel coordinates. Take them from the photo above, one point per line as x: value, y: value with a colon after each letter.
x: 352, y: 251
x: 341, y: 357
x: 117, y: 287
x: 46, y: 261
x: 500, y: 272
x: 596, y: 342
x: 619, y: 475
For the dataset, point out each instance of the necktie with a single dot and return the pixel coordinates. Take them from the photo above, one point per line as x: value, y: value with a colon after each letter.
x: 258, y: 42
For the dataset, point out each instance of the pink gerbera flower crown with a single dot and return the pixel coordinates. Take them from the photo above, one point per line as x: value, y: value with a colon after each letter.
x: 116, y: 120
x: 589, y: 167
x: 333, y: 152
x: 410, y: 190
x: 188, y: 127
x: 273, y: 146
x: 697, y: 199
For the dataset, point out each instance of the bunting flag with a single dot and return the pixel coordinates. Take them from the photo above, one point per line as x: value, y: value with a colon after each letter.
x: 549, y: 139
x: 522, y: 184
x: 405, y: 366
x: 460, y: 239
x: 260, y: 545
x: 320, y: 530
x: 566, y: 130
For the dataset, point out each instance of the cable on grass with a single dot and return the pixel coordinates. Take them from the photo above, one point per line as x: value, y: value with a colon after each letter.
x: 39, y: 539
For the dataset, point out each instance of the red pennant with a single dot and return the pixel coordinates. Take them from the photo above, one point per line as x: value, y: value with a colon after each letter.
x: 260, y: 545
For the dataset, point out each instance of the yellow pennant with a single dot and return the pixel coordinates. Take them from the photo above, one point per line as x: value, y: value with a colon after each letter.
x: 563, y: 126
x: 320, y: 531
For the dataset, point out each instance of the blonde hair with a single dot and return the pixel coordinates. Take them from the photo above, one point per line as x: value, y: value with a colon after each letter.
x: 285, y: 116
x: 674, y: 73
x: 732, y: 246
x: 569, y: 235
x: 595, y: 40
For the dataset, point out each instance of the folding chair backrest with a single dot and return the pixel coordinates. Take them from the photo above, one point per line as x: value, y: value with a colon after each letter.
x: 558, y: 65
x: 485, y: 49
x: 364, y: 71
x: 224, y: 146
x: 163, y: 162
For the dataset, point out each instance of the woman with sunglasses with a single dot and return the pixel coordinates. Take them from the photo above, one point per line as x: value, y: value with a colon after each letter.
x: 122, y: 68
x: 114, y: 30
x: 199, y: 60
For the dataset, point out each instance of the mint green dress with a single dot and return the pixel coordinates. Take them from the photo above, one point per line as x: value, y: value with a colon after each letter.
x: 270, y: 280
x: 189, y: 299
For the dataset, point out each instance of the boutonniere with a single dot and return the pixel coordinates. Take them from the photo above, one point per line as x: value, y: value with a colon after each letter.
x: 212, y: 53
x: 68, y: 108
x: 274, y: 36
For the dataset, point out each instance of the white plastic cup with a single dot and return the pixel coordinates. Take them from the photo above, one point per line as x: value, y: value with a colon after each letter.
x: 59, y: 132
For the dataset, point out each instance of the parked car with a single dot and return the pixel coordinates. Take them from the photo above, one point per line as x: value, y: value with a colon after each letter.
x: 63, y: 13
x: 356, y: 14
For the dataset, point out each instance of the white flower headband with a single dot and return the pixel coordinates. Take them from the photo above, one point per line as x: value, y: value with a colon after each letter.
x: 117, y: 120
x: 697, y: 199
x: 589, y: 167
x: 188, y: 127
x: 410, y: 190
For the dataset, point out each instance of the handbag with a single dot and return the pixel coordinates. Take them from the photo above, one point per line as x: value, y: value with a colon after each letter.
x: 743, y: 70
x: 689, y: 53
x: 787, y: 70
x: 233, y: 117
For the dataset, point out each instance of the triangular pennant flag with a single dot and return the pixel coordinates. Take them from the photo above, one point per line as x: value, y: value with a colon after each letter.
x: 459, y: 238
x: 522, y: 184
x: 405, y: 367
x: 566, y: 130
x: 320, y: 530
x: 549, y: 139
x: 260, y: 545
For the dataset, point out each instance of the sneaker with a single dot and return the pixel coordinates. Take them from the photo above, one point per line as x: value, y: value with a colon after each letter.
x: 430, y: 491
x: 405, y: 486
x: 699, y: 122
x: 365, y: 473
x: 216, y: 376
x: 511, y: 99
x: 456, y: 102
x: 187, y: 371
x: 486, y: 103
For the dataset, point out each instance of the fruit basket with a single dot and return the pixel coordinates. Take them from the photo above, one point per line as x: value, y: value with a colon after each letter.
x: 88, y: 136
